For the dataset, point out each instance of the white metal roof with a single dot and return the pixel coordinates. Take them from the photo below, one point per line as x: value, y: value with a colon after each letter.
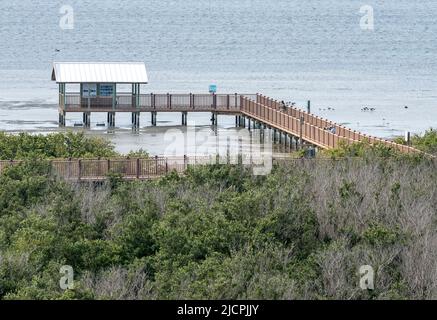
x: 99, y: 72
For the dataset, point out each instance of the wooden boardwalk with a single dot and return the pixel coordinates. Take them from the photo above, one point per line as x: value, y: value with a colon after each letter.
x: 263, y: 111
x: 167, y: 102
x: 308, y: 127
x: 94, y: 170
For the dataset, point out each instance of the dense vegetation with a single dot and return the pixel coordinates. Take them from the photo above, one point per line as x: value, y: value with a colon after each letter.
x: 219, y: 232
x: 57, y: 145
x: 426, y: 142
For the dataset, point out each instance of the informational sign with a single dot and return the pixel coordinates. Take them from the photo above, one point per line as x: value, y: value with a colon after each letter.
x: 106, y: 90
x: 89, y: 90
x: 212, y: 88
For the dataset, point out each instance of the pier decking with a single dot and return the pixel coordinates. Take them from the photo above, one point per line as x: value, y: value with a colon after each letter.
x: 99, y: 92
x: 256, y: 111
x: 306, y: 126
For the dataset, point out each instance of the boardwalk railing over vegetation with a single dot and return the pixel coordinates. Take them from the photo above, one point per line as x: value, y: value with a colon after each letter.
x: 128, y: 168
x: 94, y: 170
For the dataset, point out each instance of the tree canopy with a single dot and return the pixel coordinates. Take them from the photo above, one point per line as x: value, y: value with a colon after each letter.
x: 218, y: 231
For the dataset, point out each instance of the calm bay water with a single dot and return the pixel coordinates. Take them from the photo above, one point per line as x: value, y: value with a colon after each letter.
x: 290, y: 50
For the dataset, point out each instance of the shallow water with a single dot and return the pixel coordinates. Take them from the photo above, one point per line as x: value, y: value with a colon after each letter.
x: 290, y: 50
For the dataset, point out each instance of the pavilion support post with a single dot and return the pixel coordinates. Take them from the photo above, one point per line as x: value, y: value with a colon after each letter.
x: 62, y: 118
x: 111, y: 119
x: 114, y: 98
x: 214, y: 118
x: 134, y: 95
x: 184, y: 118
x: 136, y: 119
x: 154, y: 116
x: 87, y: 119
x: 138, y: 96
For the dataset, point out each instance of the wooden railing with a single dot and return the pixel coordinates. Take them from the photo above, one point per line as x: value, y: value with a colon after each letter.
x: 99, y: 169
x: 128, y: 168
x: 313, y: 129
x: 316, y: 130
x: 95, y: 170
x: 283, y: 121
x: 157, y: 102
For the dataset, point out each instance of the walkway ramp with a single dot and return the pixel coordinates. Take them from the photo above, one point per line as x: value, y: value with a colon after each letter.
x: 311, y: 128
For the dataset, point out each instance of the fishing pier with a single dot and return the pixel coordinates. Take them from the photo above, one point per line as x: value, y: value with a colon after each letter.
x: 98, y: 85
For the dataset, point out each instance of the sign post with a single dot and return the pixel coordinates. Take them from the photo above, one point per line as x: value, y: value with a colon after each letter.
x: 212, y: 88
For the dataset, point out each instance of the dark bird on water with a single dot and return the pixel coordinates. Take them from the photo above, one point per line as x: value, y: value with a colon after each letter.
x: 57, y: 50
